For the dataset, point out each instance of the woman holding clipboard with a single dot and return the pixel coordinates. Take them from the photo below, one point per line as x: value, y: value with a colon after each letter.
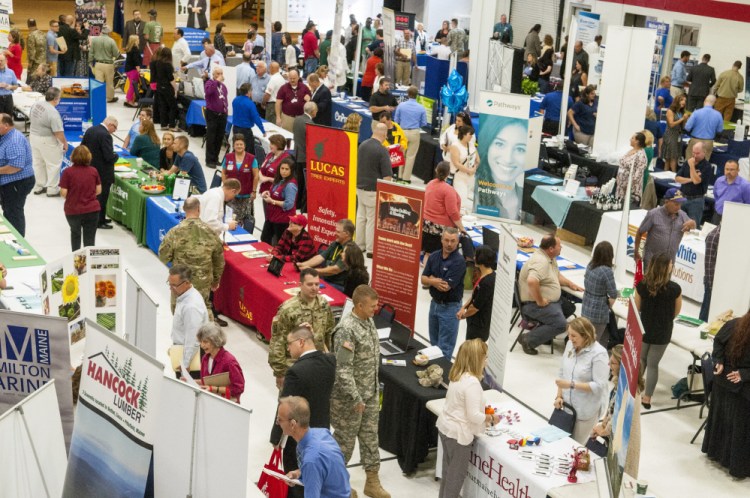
x: 217, y: 361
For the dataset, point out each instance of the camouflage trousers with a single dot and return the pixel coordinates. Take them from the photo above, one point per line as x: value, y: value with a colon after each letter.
x: 206, y: 299
x: 348, y: 426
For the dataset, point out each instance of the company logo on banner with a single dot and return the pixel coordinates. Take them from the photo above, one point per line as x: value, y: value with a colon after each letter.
x: 95, y: 13
x: 111, y: 452
x: 398, y: 241
x: 33, y: 351
x: 588, y: 27
x: 503, y: 138
x: 331, y: 180
x: 192, y: 13
x: 626, y: 397
x: 74, y: 106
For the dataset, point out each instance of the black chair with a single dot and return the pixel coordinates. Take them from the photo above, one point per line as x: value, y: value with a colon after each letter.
x: 146, y: 96
x: 387, y: 313
x: 548, y: 164
x: 707, y: 372
x: 526, y: 322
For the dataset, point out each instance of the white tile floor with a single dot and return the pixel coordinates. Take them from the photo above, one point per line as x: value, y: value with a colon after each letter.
x: 672, y: 466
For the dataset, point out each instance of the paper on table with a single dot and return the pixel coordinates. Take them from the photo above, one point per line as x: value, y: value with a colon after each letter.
x: 284, y: 478
x: 186, y: 375
x: 664, y: 175
x: 550, y: 433
x: 242, y: 247
x: 564, y: 263
x: 384, y: 333
x: 432, y: 352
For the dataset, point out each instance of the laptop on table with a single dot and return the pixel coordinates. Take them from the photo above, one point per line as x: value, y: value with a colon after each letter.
x: 398, y: 340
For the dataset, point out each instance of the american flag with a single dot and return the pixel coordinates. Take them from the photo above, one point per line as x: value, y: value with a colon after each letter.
x: 118, y: 21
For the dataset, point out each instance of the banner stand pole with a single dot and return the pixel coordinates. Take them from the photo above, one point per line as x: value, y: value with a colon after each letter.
x: 356, y: 62
x: 33, y: 449
x: 192, y: 444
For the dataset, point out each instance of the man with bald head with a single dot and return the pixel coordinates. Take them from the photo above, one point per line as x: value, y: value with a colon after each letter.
x: 275, y: 81
x: 216, y: 113
x: 373, y: 164
x: 290, y: 100
x: 693, y: 177
x: 703, y: 125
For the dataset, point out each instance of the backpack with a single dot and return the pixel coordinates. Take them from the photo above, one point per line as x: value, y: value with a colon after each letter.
x: 680, y: 388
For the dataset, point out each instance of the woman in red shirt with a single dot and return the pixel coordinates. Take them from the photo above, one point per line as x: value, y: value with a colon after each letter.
x: 242, y: 165
x: 79, y: 186
x: 280, y: 202
x: 13, y: 53
x: 442, y: 209
x: 271, y: 163
x: 368, y: 77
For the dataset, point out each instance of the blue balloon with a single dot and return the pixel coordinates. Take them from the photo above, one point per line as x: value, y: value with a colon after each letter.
x: 454, y: 94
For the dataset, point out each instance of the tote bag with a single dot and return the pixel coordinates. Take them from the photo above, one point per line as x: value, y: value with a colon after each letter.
x: 271, y: 486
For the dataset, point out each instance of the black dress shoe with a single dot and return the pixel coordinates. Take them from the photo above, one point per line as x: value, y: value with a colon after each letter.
x: 369, y: 255
x: 104, y: 226
x: 526, y: 348
x: 220, y: 322
x: 647, y: 406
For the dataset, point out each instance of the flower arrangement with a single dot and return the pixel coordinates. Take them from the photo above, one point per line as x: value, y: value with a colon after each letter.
x: 105, y: 289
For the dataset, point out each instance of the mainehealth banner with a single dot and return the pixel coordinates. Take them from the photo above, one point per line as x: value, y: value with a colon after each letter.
x: 331, y: 180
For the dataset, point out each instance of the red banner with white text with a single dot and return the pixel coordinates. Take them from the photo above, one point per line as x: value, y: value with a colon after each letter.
x: 398, y: 241
x: 331, y: 180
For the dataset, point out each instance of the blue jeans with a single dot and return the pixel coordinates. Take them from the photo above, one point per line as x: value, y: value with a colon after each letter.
x: 311, y: 65
x: 703, y: 315
x: 444, y: 326
x: 694, y: 209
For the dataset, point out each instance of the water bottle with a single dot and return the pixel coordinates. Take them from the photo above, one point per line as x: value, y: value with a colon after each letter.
x: 739, y: 131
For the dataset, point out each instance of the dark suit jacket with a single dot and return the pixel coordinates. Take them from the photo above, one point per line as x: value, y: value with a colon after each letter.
x: 130, y: 29
x: 299, y: 129
x: 103, y: 156
x: 72, y: 39
x: 323, y: 99
x: 312, y: 378
x: 702, y: 77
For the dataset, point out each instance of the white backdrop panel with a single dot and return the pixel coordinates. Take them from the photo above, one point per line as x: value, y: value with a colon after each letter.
x: 19, y: 472
x: 140, y: 316
x: 729, y: 291
x: 221, y: 444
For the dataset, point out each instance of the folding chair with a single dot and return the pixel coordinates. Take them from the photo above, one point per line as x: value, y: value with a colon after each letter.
x: 526, y: 322
x: 707, y: 371
x: 145, y: 96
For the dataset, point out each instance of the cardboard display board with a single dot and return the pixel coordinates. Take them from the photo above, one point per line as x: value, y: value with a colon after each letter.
x: 398, y: 242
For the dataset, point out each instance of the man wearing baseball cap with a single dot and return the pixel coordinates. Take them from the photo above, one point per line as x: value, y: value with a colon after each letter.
x: 664, y: 225
x: 310, y: 47
x: 295, y: 244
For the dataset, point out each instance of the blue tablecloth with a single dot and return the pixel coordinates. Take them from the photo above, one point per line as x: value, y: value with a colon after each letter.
x: 161, y: 217
x: 556, y: 202
x: 74, y: 140
x: 342, y: 109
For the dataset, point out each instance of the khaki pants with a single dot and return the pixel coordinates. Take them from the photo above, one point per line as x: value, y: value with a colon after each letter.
x: 403, y: 72
x: 52, y: 68
x: 412, y: 147
x: 365, y: 219
x: 676, y: 91
x: 725, y: 106
x: 47, y: 156
x: 287, y: 122
x: 707, y: 144
x: 106, y: 74
x: 582, y: 138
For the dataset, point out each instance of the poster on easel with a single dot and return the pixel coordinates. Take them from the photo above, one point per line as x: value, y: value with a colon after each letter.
x: 86, y: 283
x: 331, y: 180
x: 504, y: 136
x: 193, y: 14
x: 75, y: 101
x: 112, y: 450
x: 7, y: 6
x: 398, y: 242
x: 95, y: 13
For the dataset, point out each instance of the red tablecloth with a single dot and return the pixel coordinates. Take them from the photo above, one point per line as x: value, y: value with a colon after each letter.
x: 249, y: 294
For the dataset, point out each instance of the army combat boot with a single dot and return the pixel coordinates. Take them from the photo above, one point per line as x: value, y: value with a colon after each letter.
x: 373, y: 489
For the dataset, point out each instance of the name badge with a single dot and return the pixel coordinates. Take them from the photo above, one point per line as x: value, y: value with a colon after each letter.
x: 294, y: 101
x: 230, y: 165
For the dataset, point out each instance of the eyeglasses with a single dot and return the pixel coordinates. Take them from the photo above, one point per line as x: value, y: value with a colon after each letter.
x: 175, y: 286
x: 279, y: 420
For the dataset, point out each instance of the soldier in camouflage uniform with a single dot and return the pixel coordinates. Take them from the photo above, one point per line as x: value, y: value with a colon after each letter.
x: 307, y: 307
x: 354, y: 400
x: 194, y: 244
x: 36, y: 47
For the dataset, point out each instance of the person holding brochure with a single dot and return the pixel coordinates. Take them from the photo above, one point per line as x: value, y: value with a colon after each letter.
x: 217, y: 360
x: 322, y: 468
x: 189, y: 314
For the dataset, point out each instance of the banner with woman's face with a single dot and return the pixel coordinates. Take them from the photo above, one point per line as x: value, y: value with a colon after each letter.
x: 502, y: 143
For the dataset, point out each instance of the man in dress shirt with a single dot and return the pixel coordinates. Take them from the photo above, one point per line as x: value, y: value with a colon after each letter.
x: 245, y: 69
x: 134, y: 27
x: 694, y: 176
x: 729, y: 84
x: 216, y: 115
x: 8, y: 83
x: 189, y: 313
x: 703, y: 125
x: 290, y: 101
x: 275, y: 82
x: 103, y: 156
x: 180, y: 49
x: 16, y: 173
x: 321, y: 95
x: 730, y: 187
x: 412, y: 116
x: 679, y: 75
x: 539, y: 285
x: 322, y: 468
x: 212, y: 206
x: 212, y: 57
x: 259, y: 82
x: 701, y: 78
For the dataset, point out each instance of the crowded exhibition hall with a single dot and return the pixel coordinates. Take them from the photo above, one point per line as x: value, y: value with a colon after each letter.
x: 380, y: 248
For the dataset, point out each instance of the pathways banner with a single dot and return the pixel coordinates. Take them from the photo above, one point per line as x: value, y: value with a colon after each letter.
x: 112, y: 449
x: 503, y: 138
x: 398, y: 241
x: 331, y: 180
x: 625, y: 399
x: 33, y: 351
x: 588, y: 27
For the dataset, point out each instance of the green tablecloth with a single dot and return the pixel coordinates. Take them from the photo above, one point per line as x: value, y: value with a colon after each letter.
x: 7, y: 253
x: 127, y: 203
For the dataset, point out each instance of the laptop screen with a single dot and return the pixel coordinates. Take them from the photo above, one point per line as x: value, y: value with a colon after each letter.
x: 400, y: 335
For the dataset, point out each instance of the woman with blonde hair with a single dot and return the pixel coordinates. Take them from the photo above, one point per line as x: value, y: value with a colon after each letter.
x: 582, y: 380
x: 146, y: 144
x: 659, y: 301
x: 352, y: 122
x: 133, y: 62
x: 463, y: 416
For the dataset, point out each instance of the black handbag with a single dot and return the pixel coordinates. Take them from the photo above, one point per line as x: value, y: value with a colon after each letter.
x: 564, y: 418
x: 597, y: 447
